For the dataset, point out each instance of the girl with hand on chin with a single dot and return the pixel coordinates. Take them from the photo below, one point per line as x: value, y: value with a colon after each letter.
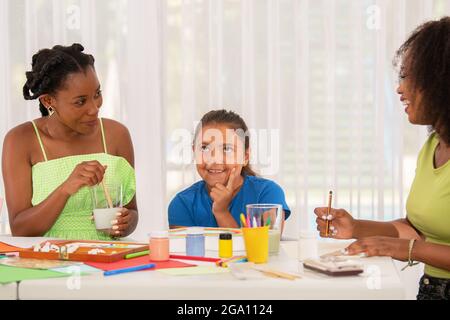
x: 221, y: 147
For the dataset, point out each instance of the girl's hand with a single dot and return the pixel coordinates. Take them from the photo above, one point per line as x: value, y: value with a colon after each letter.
x: 124, y: 223
x: 342, y: 224
x: 87, y: 173
x: 381, y: 246
x: 222, y: 195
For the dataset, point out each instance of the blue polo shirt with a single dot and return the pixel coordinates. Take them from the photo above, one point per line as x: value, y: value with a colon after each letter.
x: 193, y: 206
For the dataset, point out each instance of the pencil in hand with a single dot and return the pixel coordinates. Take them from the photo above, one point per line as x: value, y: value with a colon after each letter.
x: 328, y: 222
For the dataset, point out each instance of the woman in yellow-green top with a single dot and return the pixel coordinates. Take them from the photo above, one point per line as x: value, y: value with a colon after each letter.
x: 50, y: 164
x: 424, y: 235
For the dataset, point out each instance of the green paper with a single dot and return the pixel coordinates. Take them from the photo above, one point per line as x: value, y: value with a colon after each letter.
x: 192, y: 271
x: 13, y: 274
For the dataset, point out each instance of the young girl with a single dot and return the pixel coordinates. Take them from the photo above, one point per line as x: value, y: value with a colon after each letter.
x: 221, y: 148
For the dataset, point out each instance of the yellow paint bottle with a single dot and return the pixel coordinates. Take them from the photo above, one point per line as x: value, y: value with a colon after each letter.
x: 225, y: 245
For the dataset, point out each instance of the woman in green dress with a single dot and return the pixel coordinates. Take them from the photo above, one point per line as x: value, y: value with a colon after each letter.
x: 50, y: 164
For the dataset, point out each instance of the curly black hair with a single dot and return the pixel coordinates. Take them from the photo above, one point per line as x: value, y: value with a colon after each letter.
x: 427, y: 51
x: 236, y: 122
x: 50, y: 68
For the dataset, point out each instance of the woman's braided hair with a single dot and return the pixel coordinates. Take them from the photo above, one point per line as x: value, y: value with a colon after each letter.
x: 50, y: 68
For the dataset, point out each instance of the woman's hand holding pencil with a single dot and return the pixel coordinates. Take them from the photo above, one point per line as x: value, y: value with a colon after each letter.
x: 87, y: 173
x: 341, y: 223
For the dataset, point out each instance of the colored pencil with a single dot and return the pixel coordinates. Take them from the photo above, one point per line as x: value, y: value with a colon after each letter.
x: 224, y: 262
x: 328, y: 222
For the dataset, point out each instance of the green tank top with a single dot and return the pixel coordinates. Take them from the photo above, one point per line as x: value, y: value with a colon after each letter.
x: 74, y: 221
x: 428, y: 201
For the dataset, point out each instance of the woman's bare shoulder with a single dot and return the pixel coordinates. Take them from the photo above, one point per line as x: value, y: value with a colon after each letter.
x: 20, y: 141
x: 114, y: 127
x: 20, y: 135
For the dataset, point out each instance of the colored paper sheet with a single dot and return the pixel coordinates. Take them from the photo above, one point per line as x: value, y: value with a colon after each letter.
x: 201, y: 270
x: 13, y: 274
x: 126, y: 263
x: 79, y: 269
x: 36, y: 263
x: 5, y: 248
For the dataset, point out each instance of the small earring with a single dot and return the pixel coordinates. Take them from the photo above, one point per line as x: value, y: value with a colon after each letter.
x: 51, y: 111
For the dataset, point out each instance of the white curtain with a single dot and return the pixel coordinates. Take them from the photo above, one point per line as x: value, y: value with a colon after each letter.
x: 317, y: 77
x: 312, y: 78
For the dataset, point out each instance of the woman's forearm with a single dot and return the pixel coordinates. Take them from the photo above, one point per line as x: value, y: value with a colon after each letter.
x: 37, y: 220
x: 436, y: 255
x: 400, y: 228
x: 367, y: 228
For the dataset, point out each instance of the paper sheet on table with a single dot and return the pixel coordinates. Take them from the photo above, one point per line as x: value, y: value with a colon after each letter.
x: 126, y: 263
x: 339, y: 255
x: 13, y: 274
x: 201, y: 270
x: 78, y: 269
x: 36, y: 263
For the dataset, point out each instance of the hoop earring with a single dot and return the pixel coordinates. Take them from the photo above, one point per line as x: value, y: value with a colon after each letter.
x: 51, y: 111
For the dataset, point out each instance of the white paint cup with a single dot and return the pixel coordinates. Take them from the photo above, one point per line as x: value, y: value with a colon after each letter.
x: 307, y: 245
x: 103, y: 218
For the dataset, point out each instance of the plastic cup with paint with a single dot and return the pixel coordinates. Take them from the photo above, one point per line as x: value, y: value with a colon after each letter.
x: 268, y: 215
x: 103, y: 213
x: 307, y: 245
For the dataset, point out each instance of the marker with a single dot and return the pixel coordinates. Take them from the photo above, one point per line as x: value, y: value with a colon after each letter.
x: 244, y: 224
x: 131, y: 269
x: 248, y: 221
x: 268, y: 222
x: 137, y: 254
x: 255, y: 225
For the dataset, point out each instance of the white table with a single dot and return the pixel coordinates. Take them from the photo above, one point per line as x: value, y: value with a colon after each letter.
x: 8, y: 291
x: 381, y: 282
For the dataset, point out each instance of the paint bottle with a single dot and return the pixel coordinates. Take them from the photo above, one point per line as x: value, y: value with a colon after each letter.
x: 159, y: 246
x: 195, y: 242
x: 225, y: 245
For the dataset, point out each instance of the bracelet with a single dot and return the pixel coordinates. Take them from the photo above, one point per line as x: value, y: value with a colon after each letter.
x: 410, y: 261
